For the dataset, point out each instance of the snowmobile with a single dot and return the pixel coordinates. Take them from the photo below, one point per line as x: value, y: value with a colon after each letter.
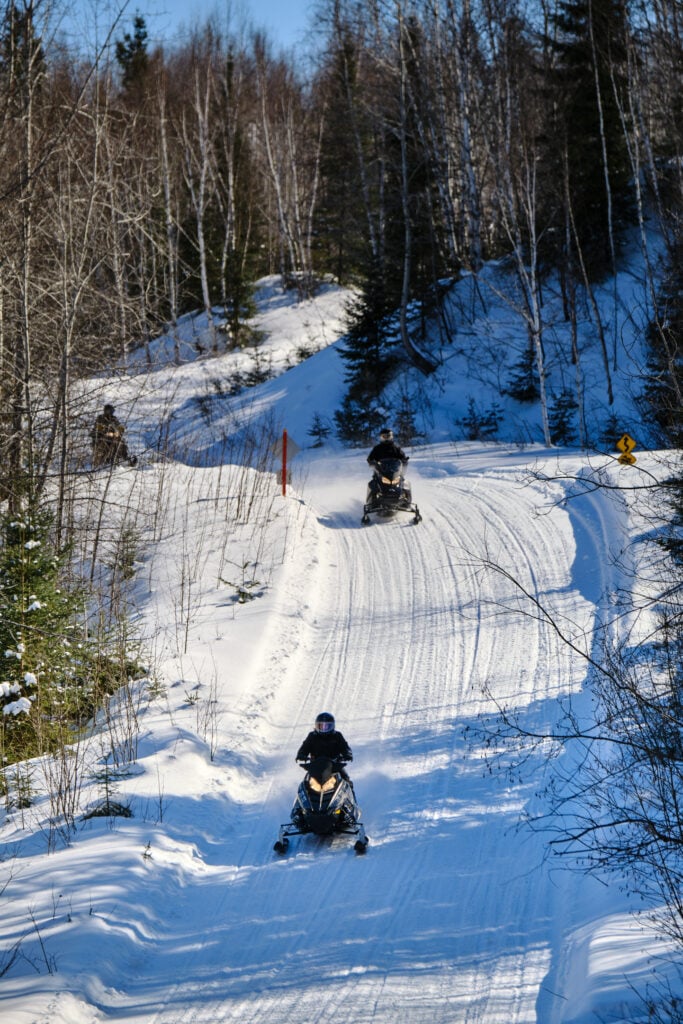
x: 325, y: 805
x: 389, y: 492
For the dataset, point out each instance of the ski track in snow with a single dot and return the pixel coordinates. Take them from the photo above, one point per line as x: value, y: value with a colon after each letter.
x: 395, y: 628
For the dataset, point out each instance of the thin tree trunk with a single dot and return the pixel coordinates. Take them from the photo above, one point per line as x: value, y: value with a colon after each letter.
x: 608, y: 186
x: 358, y: 143
x: 170, y: 223
x: 589, y: 290
x: 198, y: 184
x: 415, y: 356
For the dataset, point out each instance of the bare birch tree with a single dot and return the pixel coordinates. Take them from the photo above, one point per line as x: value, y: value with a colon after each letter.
x: 289, y: 134
x: 197, y: 135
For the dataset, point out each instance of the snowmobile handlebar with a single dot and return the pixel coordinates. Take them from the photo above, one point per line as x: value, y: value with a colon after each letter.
x: 391, y: 458
x: 337, y: 762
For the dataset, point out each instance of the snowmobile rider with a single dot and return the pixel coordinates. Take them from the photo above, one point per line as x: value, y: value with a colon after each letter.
x: 107, y: 439
x: 326, y: 741
x: 386, y: 449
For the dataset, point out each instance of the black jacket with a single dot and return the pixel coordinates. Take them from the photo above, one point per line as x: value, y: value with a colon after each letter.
x: 386, y: 450
x: 105, y: 424
x: 325, y: 744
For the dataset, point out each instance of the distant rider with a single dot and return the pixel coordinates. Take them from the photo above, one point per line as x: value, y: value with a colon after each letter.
x: 386, y: 449
x: 325, y: 741
x: 109, y: 446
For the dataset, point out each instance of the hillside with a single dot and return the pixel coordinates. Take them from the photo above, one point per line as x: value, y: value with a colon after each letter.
x: 406, y: 633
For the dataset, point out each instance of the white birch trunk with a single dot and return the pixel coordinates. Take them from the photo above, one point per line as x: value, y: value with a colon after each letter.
x: 196, y: 160
x: 170, y: 223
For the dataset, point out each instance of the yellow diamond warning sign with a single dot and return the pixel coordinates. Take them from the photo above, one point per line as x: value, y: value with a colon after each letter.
x: 626, y: 444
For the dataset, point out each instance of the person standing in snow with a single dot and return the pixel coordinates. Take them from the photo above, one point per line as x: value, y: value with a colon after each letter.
x: 107, y: 439
x: 325, y: 741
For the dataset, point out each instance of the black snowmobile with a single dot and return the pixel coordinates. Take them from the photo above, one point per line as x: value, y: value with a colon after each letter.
x: 325, y: 805
x: 389, y: 492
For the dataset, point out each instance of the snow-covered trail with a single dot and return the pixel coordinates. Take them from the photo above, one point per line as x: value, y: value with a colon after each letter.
x: 395, y: 628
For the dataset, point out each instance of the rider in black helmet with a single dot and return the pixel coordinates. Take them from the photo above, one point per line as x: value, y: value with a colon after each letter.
x: 325, y: 741
x: 387, y: 448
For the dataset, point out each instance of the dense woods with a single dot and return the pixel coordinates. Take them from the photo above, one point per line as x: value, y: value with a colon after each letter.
x: 421, y: 140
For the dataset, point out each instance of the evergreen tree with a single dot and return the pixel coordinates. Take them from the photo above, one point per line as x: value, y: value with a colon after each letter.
x: 319, y: 430
x: 132, y: 56
x: 523, y: 381
x: 38, y: 636
x: 22, y: 57
x: 425, y: 261
x: 340, y: 243
x: 371, y: 353
x: 478, y: 424
x: 398, y: 273
x: 562, y: 418
x: 662, y: 397
x: 407, y: 430
x: 52, y: 677
x: 590, y: 45
x: 359, y: 422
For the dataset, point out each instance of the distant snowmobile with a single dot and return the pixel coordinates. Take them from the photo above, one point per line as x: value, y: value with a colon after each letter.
x: 389, y: 492
x: 325, y: 805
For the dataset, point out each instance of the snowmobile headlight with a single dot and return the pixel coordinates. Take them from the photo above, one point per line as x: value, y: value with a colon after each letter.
x: 326, y: 787
x: 392, y: 481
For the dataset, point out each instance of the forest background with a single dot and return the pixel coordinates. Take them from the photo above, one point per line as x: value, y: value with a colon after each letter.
x: 420, y: 142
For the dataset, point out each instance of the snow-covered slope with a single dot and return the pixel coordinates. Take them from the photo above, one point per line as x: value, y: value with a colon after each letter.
x: 183, y: 913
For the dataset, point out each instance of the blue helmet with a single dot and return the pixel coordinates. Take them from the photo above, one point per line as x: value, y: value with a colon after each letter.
x: 324, y: 722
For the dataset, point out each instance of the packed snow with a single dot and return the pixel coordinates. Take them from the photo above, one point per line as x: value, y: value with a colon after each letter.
x: 412, y: 636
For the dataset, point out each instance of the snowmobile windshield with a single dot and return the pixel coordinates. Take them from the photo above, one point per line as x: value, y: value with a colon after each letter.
x: 389, y: 471
x: 321, y: 769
